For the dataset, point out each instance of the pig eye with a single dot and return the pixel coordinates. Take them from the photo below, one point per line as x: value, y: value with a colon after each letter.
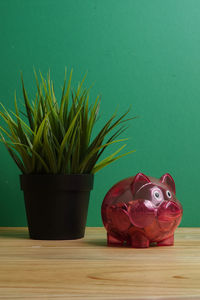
x: 157, y: 194
x: 169, y: 195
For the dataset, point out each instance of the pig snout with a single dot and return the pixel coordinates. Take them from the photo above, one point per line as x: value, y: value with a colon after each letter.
x: 169, y: 211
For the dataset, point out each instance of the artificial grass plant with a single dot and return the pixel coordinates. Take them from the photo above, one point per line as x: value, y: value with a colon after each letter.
x: 56, y: 138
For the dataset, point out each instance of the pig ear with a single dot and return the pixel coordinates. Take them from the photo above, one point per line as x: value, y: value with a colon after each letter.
x: 169, y: 181
x: 138, y: 181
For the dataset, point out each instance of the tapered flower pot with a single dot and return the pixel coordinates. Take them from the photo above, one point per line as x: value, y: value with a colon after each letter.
x: 56, y: 205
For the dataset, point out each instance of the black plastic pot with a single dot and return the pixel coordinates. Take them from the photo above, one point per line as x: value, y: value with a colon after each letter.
x: 56, y: 205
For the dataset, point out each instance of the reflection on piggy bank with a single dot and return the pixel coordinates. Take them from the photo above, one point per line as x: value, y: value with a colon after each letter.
x: 141, y: 210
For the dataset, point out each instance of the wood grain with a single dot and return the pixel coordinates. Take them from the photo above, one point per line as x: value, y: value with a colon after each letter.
x: 88, y: 269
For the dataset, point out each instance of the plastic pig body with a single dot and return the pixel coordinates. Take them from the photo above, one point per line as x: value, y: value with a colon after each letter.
x: 141, y: 210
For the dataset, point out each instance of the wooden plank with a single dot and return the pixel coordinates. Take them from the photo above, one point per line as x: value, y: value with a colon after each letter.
x: 88, y: 269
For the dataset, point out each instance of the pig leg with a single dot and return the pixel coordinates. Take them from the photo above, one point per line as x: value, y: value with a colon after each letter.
x: 113, y: 241
x: 139, y: 240
x: 167, y: 242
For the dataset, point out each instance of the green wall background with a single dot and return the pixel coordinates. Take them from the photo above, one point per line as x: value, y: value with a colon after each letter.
x: 140, y: 52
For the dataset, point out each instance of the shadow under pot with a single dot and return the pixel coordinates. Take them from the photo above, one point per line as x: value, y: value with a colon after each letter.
x: 56, y: 205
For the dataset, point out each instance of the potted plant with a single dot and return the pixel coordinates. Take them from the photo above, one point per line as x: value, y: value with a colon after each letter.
x: 51, y: 143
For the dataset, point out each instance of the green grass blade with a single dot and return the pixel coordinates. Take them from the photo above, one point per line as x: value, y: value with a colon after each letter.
x: 66, y: 137
x: 6, y: 116
x: 6, y: 132
x: 38, y: 134
x: 92, y: 154
x: 36, y: 154
x: 49, y: 152
x: 80, y: 86
x: 13, y: 155
x: 23, y: 123
x: 65, y: 100
x: 108, y: 161
x: 29, y: 109
x: 66, y: 165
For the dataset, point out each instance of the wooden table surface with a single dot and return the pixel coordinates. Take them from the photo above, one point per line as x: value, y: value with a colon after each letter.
x: 88, y: 269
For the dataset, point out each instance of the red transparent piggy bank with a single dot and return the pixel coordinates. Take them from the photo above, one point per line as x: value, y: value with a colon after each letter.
x: 141, y: 210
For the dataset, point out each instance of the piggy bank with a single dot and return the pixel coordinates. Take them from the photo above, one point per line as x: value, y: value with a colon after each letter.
x: 142, y: 210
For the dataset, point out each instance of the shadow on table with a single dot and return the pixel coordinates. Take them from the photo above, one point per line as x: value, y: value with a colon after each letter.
x: 103, y: 243
x: 14, y: 233
x: 99, y: 242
